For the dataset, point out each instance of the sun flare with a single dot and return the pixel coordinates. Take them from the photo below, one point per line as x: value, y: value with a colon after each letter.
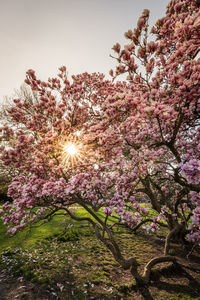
x: 71, y: 149
x: 71, y: 153
x: 75, y: 154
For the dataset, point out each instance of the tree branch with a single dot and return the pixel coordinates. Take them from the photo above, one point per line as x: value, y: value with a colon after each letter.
x: 153, y: 262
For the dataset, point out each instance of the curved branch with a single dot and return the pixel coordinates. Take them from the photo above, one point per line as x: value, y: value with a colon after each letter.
x: 153, y: 262
x: 79, y: 218
x: 145, y: 221
x: 49, y: 215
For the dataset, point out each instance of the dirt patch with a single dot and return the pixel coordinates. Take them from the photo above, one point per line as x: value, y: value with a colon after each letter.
x: 12, y: 287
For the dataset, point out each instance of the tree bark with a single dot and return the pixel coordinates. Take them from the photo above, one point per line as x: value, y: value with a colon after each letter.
x: 153, y: 262
x: 177, y: 233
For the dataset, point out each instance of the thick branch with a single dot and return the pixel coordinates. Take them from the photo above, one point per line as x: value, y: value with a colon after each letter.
x: 177, y: 126
x: 191, y: 186
x: 153, y: 262
x: 149, y: 192
x: 173, y: 232
x: 180, y: 196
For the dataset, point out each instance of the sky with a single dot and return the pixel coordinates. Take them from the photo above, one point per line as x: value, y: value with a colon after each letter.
x: 46, y: 34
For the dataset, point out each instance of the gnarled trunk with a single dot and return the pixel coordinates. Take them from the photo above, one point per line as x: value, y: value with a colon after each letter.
x: 177, y: 234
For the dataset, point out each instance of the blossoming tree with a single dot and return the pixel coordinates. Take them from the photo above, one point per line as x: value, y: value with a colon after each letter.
x: 154, y: 122
x: 98, y: 143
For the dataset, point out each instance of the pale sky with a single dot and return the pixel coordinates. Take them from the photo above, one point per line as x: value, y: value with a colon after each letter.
x: 46, y: 34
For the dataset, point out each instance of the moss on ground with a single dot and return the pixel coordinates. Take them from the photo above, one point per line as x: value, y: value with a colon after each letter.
x: 65, y: 259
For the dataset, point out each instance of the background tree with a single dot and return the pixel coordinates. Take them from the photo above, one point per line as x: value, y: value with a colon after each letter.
x: 7, y: 173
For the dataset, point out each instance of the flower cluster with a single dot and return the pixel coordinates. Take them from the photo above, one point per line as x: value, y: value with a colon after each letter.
x: 191, y: 170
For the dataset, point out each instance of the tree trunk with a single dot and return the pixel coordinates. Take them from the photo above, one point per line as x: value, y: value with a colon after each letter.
x: 177, y: 234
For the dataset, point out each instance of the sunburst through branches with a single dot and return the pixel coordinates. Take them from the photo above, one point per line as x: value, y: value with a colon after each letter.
x: 74, y: 153
x: 70, y: 149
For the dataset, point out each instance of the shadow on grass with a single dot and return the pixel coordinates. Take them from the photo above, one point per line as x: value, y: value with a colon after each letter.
x: 62, y: 286
x: 192, y: 289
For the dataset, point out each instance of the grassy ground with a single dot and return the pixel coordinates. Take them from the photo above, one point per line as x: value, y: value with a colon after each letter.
x: 63, y: 260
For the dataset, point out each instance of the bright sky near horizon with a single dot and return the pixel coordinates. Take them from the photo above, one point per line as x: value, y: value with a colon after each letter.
x: 46, y: 34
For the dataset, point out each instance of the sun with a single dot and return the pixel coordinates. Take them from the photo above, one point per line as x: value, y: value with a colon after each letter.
x: 72, y: 153
x: 71, y: 149
x: 75, y: 154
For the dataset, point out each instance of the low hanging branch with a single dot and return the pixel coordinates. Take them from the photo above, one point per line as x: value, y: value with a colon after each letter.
x: 134, y: 229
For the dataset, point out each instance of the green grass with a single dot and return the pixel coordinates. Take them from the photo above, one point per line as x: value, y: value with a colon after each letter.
x: 47, y: 257
x: 29, y: 236
x: 63, y: 251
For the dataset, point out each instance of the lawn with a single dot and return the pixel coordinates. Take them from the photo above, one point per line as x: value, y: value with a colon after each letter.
x: 62, y: 259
